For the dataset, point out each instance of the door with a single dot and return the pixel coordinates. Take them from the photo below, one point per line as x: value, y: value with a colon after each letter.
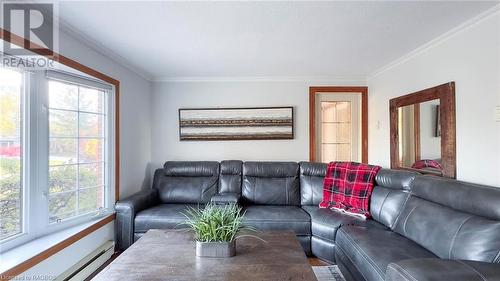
x: 338, y: 131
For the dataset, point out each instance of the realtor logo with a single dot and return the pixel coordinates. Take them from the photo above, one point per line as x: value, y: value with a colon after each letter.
x: 32, y: 21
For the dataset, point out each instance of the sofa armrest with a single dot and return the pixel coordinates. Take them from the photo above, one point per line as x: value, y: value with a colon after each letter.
x: 225, y: 198
x: 434, y: 269
x: 126, y: 210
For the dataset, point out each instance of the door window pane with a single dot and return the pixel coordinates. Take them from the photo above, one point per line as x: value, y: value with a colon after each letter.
x: 335, y: 152
x: 336, y: 131
x: 337, y: 111
x: 11, y: 133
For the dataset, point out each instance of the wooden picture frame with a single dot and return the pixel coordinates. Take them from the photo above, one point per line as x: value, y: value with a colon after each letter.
x: 446, y: 95
x: 238, y: 123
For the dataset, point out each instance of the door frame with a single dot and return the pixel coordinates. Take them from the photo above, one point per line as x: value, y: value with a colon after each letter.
x: 364, y: 116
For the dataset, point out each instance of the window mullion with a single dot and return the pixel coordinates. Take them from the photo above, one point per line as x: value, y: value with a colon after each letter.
x: 39, y: 140
x: 77, y: 195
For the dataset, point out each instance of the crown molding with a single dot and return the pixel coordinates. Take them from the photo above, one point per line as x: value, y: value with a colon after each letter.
x: 436, y: 41
x: 98, y: 47
x: 356, y: 80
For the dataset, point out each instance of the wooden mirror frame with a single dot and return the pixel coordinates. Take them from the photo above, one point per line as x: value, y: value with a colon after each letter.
x: 446, y: 95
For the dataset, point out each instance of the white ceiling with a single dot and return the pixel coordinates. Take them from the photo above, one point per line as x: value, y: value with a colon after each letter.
x: 179, y: 40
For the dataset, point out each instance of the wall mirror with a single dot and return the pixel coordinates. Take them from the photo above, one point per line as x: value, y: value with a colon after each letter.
x: 423, y: 131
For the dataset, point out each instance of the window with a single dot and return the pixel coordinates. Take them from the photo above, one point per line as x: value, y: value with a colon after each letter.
x: 76, y: 150
x: 11, y: 164
x: 55, y: 151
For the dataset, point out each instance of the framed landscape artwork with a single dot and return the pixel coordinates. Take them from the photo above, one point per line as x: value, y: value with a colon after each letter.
x: 256, y: 123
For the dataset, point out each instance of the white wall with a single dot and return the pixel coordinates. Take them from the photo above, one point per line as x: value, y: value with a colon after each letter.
x: 471, y: 58
x: 168, y: 97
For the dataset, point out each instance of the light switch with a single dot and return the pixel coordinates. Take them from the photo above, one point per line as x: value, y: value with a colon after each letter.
x: 497, y: 113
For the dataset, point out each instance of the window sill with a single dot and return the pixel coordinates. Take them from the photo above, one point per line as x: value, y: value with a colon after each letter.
x: 21, y: 258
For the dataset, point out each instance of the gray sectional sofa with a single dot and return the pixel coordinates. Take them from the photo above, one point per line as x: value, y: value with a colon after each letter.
x: 423, y: 227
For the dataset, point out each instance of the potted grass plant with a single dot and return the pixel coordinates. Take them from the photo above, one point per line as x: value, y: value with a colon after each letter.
x: 216, y: 229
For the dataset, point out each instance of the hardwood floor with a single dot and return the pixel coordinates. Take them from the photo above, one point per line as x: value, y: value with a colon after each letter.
x: 317, y: 262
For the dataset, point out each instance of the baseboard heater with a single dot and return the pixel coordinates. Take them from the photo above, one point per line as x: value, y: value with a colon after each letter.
x: 89, y: 264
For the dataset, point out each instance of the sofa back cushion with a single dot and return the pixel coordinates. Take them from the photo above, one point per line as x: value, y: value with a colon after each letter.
x: 390, y: 193
x: 452, y: 219
x: 311, y: 182
x: 231, y: 172
x: 271, y: 183
x: 187, y: 182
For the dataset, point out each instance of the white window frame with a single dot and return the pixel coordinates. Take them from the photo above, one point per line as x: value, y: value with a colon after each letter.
x: 35, y: 151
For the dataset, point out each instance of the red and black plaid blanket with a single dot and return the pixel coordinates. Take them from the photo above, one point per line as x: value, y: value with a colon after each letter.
x: 427, y: 163
x: 348, y: 186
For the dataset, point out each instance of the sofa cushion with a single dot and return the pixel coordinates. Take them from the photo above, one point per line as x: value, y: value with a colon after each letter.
x: 390, y: 193
x: 386, y: 204
x: 476, y: 199
x: 311, y: 182
x: 395, y: 179
x: 230, y: 176
x: 442, y: 269
x: 326, y: 222
x: 271, y: 183
x: 453, y: 219
x: 371, y: 249
x: 163, y: 216
x: 185, y: 182
x: 448, y: 233
x: 278, y: 218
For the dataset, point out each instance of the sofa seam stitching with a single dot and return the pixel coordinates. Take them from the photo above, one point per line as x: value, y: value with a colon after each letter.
x: 349, y: 258
x: 365, y: 256
x: 382, y: 205
x: 455, y: 236
x: 407, y: 217
x: 209, y: 188
x: 473, y: 269
x: 497, y: 257
x: 322, y: 238
x: 286, y: 193
x: 401, y: 212
x: 404, y: 271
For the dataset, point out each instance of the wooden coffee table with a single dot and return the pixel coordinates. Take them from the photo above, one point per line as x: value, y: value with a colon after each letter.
x: 170, y: 255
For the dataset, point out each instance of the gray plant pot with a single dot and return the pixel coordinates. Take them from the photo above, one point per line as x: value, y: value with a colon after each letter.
x: 216, y: 249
